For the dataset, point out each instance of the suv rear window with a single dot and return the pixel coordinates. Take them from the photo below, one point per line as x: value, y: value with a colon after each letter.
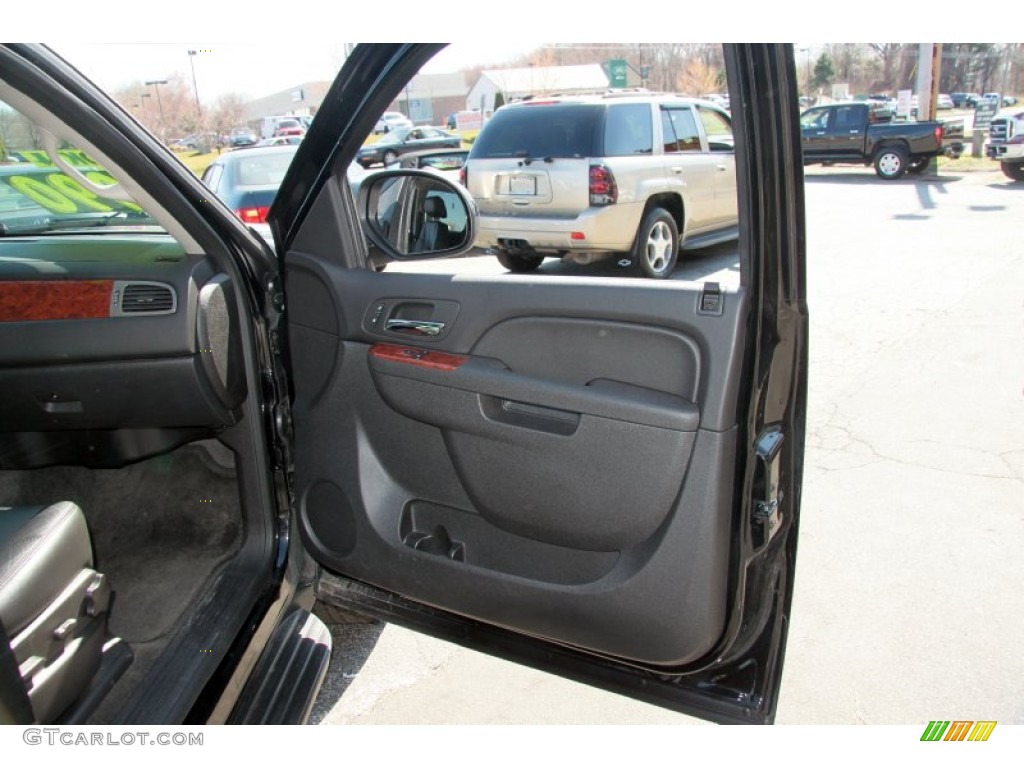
x: 559, y: 130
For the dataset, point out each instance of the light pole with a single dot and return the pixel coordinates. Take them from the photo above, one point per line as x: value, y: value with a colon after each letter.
x: 156, y: 87
x: 195, y: 88
x: 807, y: 57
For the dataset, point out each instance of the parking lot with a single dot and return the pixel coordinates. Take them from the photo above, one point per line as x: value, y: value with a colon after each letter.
x: 907, y: 604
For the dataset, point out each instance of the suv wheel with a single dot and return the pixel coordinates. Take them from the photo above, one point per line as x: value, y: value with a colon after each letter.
x: 517, y: 263
x: 657, y: 244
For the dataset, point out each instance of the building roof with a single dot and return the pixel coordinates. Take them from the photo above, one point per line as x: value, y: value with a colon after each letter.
x: 525, y: 80
x: 437, y: 86
x: 300, y: 99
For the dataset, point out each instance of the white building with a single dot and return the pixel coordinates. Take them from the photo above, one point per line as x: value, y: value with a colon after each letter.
x: 304, y: 99
x: 534, y: 81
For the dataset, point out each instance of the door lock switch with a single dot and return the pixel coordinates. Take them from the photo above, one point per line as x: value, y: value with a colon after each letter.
x: 712, y: 299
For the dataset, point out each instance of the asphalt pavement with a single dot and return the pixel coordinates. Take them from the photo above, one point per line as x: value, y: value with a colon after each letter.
x: 907, y: 602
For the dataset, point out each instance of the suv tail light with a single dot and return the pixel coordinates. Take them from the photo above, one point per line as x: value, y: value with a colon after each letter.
x: 602, y: 186
x: 463, y: 176
x: 938, y: 133
x: 254, y: 215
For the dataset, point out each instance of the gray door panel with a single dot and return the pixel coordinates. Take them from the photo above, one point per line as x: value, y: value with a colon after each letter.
x: 549, y: 464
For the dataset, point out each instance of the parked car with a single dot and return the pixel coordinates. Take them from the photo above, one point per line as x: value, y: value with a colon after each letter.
x: 593, y: 177
x: 201, y: 436
x: 280, y: 141
x: 719, y: 99
x: 882, y: 107
x: 400, y: 141
x: 247, y: 181
x: 270, y: 125
x: 944, y: 101
x: 447, y: 162
x: 198, y: 142
x: 290, y: 127
x: 846, y: 133
x: 389, y: 121
x: 962, y: 99
x: 242, y: 137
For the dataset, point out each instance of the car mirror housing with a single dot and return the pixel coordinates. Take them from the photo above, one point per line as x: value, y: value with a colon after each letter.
x: 413, y: 214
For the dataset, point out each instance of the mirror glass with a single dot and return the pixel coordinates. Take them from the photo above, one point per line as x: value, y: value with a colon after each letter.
x: 416, y: 215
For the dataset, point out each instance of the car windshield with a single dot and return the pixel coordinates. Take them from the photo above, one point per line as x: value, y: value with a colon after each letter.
x: 562, y: 130
x: 40, y: 194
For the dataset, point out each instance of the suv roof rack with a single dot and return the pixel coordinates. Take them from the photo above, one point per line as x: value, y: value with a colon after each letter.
x: 605, y: 93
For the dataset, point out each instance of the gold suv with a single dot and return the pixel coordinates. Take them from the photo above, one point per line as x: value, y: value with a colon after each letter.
x: 636, y: 175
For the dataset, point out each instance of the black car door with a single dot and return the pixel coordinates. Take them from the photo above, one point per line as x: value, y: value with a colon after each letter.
x: 599, y: 477
x: 815, y: 134
x: 846, y: 130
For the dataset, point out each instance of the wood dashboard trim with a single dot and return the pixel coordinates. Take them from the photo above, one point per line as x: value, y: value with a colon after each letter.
x: 24, y: 300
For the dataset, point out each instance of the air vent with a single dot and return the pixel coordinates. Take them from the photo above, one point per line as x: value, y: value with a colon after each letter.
x: 138, y: 297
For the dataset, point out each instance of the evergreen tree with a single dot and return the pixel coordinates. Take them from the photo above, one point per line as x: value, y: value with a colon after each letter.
x: 824, y: 72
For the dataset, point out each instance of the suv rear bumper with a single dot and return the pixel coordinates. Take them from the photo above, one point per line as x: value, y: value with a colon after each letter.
x: 605, y: 228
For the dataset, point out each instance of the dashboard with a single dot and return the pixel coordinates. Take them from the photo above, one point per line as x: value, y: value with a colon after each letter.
x: 113, y: 347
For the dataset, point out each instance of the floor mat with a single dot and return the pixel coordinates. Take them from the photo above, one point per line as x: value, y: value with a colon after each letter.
x: 160, y: 529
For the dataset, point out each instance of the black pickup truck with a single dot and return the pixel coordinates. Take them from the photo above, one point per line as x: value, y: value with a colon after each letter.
x: 851, y: 132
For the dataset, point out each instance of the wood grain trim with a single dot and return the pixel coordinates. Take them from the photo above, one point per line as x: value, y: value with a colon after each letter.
x: 425, y: 358
x: 22, y: 300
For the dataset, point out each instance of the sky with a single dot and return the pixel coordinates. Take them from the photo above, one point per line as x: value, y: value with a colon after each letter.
x: 268, y: 46
x: 251, y: 69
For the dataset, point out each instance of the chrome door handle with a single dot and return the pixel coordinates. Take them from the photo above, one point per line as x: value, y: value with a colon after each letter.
x: 414, y: 327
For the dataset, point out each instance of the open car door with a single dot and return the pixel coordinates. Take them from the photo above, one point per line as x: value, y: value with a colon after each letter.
x: 594, y: 476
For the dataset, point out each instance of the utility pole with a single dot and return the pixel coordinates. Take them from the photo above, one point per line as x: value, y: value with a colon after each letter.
x: 807, y: 82
x: 156, y: 87
x: 929, y: 61
x: 195, y: 88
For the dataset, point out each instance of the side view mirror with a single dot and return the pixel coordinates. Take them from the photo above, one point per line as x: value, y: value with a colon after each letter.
x: 413, y: 214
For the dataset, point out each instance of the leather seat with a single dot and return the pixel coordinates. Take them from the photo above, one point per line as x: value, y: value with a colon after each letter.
x: 434, y: 233
x: 53, y: 604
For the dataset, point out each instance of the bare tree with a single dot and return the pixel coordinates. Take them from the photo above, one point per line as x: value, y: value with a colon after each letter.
x: 699, y: 78
x: 848, y: 61
x: 167, y: 110
x: 228, y: 112
x: 889, y: 56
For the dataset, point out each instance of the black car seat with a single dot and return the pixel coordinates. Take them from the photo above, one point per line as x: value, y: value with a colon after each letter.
x: 53, y: 604
x: 434, y: 235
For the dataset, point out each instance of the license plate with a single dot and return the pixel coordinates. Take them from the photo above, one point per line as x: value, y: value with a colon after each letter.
x: 522, y: 185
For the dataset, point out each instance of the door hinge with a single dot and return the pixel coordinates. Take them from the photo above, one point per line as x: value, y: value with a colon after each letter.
x: 767, y: 513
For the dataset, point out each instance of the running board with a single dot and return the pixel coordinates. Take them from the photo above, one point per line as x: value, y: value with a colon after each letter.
x: 287, y: 678
x: 695, y: 242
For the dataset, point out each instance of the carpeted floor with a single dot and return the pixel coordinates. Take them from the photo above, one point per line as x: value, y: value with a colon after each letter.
x: 161, y: 529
